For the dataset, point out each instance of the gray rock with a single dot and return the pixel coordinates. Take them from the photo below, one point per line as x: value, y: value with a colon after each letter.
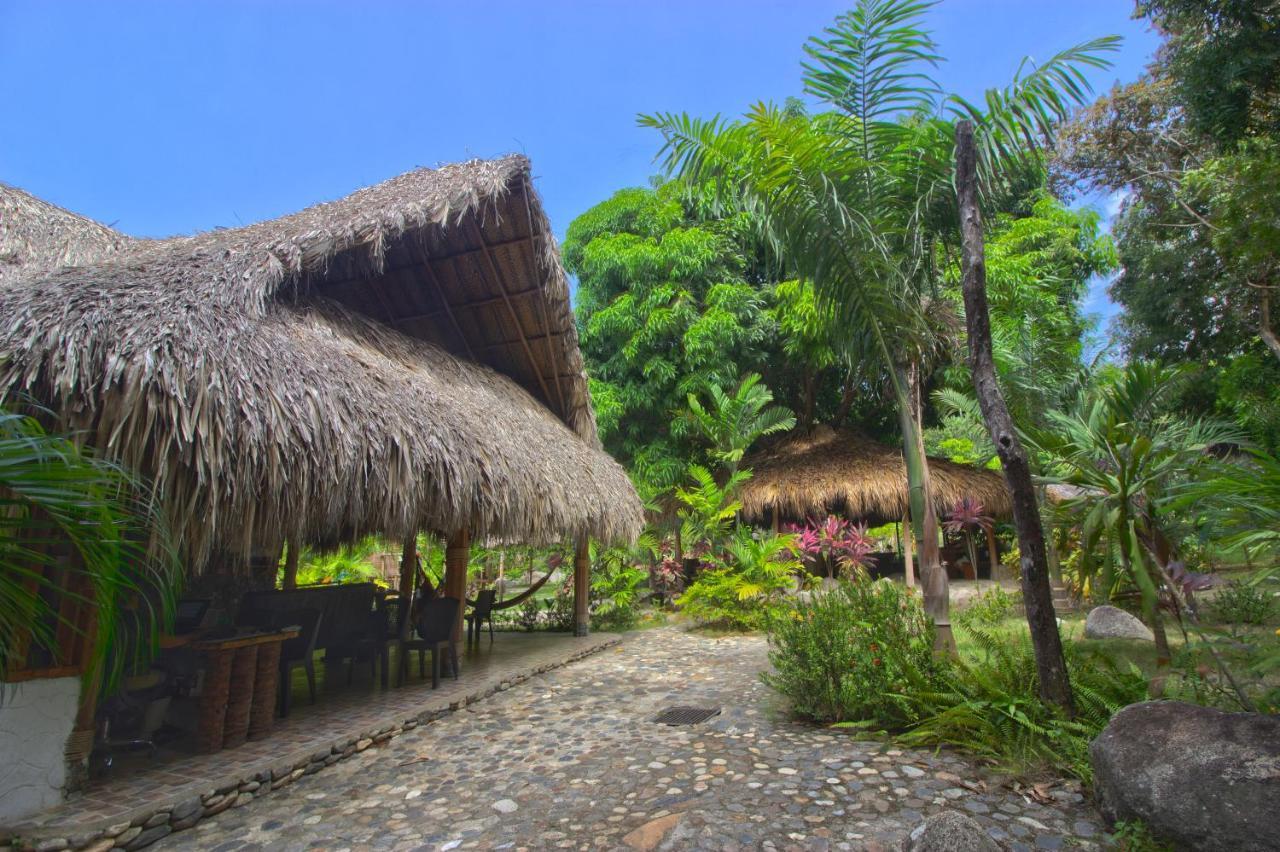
x: 949, y: 831
x: 146, y: 838
x: 186, y: 809
x: 1108, y: 622
x: 1200, y: 777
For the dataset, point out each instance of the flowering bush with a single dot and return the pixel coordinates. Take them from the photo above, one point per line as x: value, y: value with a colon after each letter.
x: 835, y: 543
x: 861, y: 653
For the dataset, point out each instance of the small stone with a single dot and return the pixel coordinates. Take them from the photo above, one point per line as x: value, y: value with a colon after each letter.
x: 53, y: 844
x: 127, y: 836
x: 151, y: 835
x: 361, y: 745
x: 102, y: 845
x: 505, y: 806
x: 156, y: 819
x: 648, y: 836
x: 242, y: 800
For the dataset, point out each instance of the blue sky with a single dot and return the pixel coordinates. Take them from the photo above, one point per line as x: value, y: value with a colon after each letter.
x: 171, y: 117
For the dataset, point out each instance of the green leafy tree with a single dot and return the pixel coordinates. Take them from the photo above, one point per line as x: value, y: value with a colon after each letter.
x: 675, y: 299
x: 731, y: 424
x: 667, y: 307
x: 860, y: 200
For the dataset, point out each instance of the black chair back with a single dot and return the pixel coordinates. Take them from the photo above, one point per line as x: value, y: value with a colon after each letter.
x: 303, y: 645
x: 437, y: 618
x: 484, y: 603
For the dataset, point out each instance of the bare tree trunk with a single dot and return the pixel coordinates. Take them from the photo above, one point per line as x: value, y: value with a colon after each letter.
x: 1055, y: 686
x: 1264, y: 321
x: 291, y: 565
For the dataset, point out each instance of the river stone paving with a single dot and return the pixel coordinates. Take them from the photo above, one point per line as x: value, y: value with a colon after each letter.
x: 573, y: 760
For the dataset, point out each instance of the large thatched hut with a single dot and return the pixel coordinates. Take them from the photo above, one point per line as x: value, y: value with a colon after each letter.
x: 811, y: 474
x: 403, y: 359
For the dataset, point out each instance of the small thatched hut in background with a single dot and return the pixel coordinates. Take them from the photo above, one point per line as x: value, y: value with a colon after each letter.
x: 809, y: 475
x: 402, y: 359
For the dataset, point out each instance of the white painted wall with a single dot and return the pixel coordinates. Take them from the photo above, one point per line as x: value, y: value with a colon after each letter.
x: 36, y: 717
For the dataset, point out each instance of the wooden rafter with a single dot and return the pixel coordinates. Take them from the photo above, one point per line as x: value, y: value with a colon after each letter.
x: 444, y: 299
x: 511, y: 311
x: 546, y: 320
x: 497, y: 344
x: 477, y: 303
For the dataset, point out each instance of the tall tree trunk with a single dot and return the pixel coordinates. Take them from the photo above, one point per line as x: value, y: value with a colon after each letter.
x: 1051, y: 665
x: 924, y: 520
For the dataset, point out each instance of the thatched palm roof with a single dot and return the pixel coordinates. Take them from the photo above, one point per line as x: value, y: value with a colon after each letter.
x: 402, y: 358
x: 36, y: 236
x: 809, y: 475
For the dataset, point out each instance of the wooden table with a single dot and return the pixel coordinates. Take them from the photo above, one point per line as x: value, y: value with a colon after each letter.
x: 238, y: 700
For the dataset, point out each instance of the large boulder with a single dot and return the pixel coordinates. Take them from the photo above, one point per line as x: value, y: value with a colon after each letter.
x: 949, y: 831
x: 1108, y: 622
x: 1200, y: 777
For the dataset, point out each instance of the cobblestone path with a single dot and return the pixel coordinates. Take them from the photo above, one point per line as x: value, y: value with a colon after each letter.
x: 573, y: 759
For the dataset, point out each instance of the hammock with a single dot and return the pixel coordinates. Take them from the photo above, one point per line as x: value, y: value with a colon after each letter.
x: 522, y: 597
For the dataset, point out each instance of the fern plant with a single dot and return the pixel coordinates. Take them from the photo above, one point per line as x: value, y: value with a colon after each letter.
x: 993, y: 709
x: 743, y: 588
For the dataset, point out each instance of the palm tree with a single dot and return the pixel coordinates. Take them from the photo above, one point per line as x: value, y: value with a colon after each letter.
x: 731, y: 424
x: 54, y: 495
x: 860, y: 200
x: 1127, y: 458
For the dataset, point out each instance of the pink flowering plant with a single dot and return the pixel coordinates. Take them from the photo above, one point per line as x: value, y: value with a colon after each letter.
x: 834, y: 543
x: 965, y: 518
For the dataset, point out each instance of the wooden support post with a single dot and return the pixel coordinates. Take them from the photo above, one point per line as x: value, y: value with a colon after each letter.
x: 457, y: 555
x: 408, y: 573
x: 290, y: 565
x: 581, y: 588
x: 993, y: 554
x: 907, y: 564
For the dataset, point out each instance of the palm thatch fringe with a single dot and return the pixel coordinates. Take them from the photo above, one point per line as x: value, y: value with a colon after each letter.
x: 809, y: 475
x: 273, y: 383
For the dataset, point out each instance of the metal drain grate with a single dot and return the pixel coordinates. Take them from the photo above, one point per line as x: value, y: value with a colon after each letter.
x: 686, y: 715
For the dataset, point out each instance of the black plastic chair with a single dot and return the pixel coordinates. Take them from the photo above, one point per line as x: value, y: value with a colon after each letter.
x: 298, y: 652
x: 436, y: 620
x: 481, y: 611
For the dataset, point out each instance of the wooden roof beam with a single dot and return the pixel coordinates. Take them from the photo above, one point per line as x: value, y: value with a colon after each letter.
x: 511, y: 311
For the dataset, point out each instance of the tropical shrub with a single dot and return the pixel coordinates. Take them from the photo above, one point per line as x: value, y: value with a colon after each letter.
x: 616, y: 587
x: 992, y: 706
x: 743, y: 587
x: 1242, y: 603
x: 861, y: 653
x: 987, y: 609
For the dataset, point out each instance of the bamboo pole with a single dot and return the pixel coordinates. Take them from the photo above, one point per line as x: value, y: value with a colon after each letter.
x: 581, y: 588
